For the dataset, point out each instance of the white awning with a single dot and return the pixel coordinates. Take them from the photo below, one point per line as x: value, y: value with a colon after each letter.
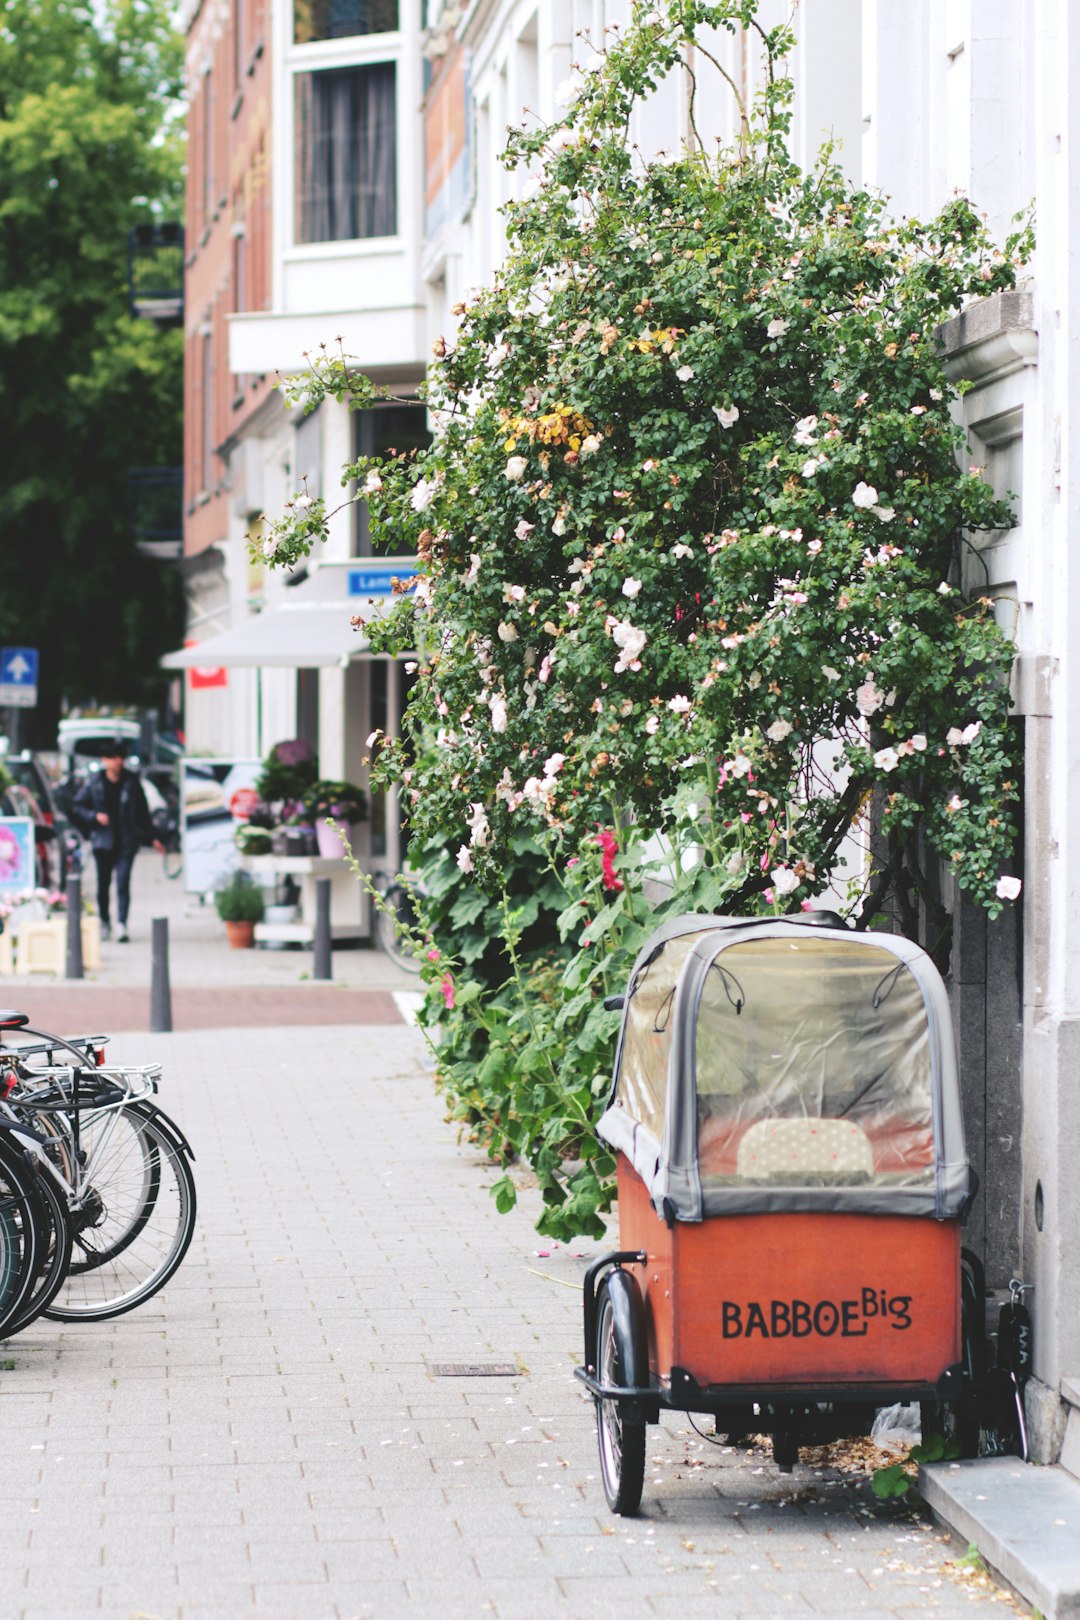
x: 310, y: 627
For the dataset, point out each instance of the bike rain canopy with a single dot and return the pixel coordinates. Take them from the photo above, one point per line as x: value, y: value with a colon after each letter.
x: 778, y: 1065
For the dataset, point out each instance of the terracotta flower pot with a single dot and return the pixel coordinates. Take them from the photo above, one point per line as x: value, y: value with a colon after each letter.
x: 241, y: 935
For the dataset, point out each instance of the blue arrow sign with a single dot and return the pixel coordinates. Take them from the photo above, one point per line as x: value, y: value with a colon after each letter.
x: 18, y: 666
x: 18, y: 677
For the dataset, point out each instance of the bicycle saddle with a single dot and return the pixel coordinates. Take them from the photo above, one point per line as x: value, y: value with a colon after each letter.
x: 13, y: 1020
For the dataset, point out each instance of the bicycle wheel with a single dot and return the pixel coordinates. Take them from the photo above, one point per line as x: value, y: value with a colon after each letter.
x: 172, y: 862
x: 22, y: 1231
x: 392, y: 918
x: 621, y: 1437
x: 55, y: 1260
x: 135, y: 1221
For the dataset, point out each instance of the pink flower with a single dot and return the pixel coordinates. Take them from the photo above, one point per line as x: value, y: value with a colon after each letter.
x: 769, y: 896
x: 433, y: 956
x: 447, y: 988
x: 609, y: 847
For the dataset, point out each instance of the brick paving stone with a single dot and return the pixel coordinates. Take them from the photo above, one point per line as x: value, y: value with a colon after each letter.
x: 268, y: 1439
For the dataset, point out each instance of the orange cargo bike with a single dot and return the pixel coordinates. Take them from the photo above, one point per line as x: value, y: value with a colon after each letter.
x: 792, y: 1180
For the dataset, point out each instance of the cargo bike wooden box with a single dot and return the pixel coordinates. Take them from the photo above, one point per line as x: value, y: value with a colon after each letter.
x: 791, y: 1179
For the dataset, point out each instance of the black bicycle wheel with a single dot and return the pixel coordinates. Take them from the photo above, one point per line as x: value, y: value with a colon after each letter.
x: 392, y: 919
x: 621, y: 1438
x: 56, y: 1256
x: 136, y: 1220
x: 23, y: 1230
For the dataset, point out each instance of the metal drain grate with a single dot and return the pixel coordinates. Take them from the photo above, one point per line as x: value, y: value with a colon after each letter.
x: 475, y: 1369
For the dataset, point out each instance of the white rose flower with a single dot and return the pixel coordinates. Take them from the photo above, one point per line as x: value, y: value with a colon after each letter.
x: 944, y: 589
x: 829, y: 673
x: 680, y: 704
x: 590, y: 444
x: 726, y: 415
x: 681, y: 550
x: 507, y: 632
x: 777, y: 328
x: 302, y: 502
x: 1008, y: 888
x: 918, y: 743
x: 515, y: 468
x: 778, y: 730
x: 464, y: 859
x: 736, y: 862
x: 372, y: 484
x: 423, y: 493
x: 270, y: 545
x: 741, y: 765
x: 868, y: 699
x: 685, y: 373
x: 652, y: 724
x: 498, y: 712
x: 784, y: 880
x: 559, y: 525
x: 805, y: 428
x: 864, y: 495
x: 886, y: 759
x: 630, y: 587
x: 513, y: 593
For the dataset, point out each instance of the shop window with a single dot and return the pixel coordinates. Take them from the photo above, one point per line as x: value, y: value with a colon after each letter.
x: 340, y: 19
x: 346, y: 153
x: 381, y: 431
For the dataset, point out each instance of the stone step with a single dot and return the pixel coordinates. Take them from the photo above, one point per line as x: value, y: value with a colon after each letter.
x: 1024, y: 1520
x: 1070, y: 1451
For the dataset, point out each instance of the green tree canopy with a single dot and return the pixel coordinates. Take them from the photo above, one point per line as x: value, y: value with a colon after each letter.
x: 90, y: 144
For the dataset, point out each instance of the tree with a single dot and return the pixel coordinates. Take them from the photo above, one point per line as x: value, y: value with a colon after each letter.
x: 688, y: 565
x: 90, y: 144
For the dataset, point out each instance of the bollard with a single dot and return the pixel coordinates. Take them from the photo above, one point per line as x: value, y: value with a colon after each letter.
x: 73, y: 890
x: 323, y: 961
x: 160, y: 993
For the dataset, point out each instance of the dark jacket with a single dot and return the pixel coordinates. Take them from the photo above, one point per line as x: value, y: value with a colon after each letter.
x: 134, y: 825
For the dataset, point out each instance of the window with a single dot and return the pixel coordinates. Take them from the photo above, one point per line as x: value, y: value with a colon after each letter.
x: 338, y: 19
x: 380, y: 431
x: 207, y: 403
x: 209, y: 178
x: 346, y: 153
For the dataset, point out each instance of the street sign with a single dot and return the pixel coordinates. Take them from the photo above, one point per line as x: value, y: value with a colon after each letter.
x: 374, y: 581
x: 18, y: 677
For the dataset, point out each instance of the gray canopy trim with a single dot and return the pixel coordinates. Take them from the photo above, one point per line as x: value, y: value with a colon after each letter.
x: 672, y: 1174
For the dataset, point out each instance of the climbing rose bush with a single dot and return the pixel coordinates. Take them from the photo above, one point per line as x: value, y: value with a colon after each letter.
x: 688, y: 538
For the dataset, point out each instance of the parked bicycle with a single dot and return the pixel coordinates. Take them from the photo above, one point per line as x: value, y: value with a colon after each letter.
x: 97, y: 1196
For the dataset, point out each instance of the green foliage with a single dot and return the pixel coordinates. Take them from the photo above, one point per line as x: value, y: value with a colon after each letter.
x: 90, y: 144
x: 688, y: 557
x: 239, y: 899
x: 899, y: 1480
x: 288, y: 771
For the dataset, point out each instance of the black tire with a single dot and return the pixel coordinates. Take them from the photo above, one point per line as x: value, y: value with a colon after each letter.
x: 620, y: 1436
x: 55, y: 1260
x: 135, y: 1227
x: 395, y: 911
x: 23, y: 1231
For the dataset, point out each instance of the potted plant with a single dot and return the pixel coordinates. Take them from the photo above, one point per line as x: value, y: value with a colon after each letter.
x: 339, y: 802
x: 253, y: 840
x: 240, y: 906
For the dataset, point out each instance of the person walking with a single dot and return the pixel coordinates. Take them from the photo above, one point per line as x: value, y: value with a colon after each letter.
x: 111, y: 809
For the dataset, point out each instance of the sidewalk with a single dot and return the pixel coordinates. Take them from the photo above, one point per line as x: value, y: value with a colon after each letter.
x: 213, y: 986
x: 280, y: 1435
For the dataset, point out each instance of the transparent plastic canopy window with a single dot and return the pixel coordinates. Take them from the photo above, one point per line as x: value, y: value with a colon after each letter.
x: 813, y: 1068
